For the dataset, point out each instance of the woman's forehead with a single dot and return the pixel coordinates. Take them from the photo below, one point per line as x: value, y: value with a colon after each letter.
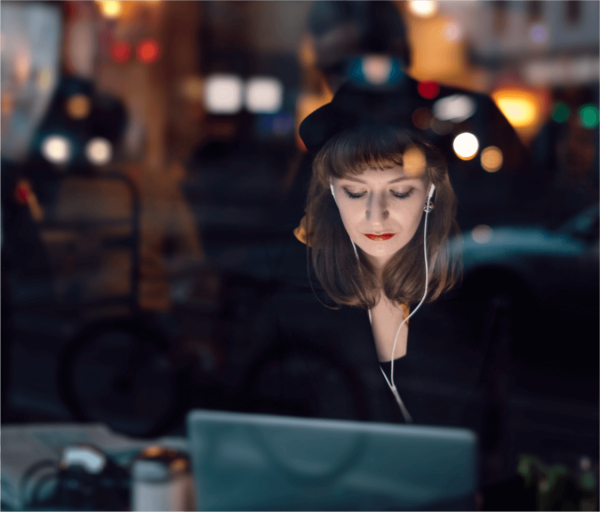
x: 395, y: 173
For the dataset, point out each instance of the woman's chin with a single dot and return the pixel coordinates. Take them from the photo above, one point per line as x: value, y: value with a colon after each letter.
x: 379, y: 251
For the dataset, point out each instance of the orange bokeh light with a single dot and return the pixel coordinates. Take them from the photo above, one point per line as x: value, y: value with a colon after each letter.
x: 78, y: 106
x: 111, y: 8
x: 520, y: 106
x: 491, y: 159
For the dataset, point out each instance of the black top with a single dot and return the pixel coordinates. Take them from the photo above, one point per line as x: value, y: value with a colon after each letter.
x: 296, y: 356
x: 399, y: 367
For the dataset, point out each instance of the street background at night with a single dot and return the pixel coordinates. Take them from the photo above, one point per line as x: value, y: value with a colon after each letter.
x: 151, y: 168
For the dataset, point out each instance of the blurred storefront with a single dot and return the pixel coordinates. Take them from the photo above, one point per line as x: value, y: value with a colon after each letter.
x: 136, y: 54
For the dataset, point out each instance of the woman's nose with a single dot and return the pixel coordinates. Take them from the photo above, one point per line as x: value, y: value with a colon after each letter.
x: 377, y: 210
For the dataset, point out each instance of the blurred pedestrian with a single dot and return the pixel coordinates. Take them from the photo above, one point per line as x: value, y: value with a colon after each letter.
x: 566, y: 156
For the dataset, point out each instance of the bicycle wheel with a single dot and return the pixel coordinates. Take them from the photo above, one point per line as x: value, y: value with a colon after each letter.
x: 119, y: 375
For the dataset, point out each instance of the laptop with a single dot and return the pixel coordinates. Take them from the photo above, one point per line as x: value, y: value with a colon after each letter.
x: 265, y: 462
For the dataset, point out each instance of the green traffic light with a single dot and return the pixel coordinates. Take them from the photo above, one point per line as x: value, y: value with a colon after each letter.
x: 589, y: 116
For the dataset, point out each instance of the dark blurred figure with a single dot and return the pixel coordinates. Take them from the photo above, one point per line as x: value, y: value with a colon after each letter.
x: 343, y: 31
x: 566, y: 156
x: 345, y: 34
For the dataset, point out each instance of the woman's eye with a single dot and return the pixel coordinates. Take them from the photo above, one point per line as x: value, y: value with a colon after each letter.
x: 352, y: 195
x: 402, y: 195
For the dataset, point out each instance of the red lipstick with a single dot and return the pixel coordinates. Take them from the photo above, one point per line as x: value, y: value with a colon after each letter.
x: 380, y: 238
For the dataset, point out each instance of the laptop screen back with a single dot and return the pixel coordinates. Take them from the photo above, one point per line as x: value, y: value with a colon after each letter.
x: 264, y: 462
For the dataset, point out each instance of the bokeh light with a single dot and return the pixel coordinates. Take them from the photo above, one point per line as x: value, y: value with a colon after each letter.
x: 538, y: 33
x: 6, y: 104
x: 22, y: 191
x: 120, y: 51
x: 306, y: 51
x: 44, y: 79
x: 520, y: 107
x: 191, y: 88
x: 453, y: 32
x: 98, y: 151
x: 22, y: 65
x: 78, y: 106
x: 377, y: 69
x: 588, y: 114
x: 423, y: 8
x: 110, y: 8
x: 148, y: 51
x: 153, y: 451
x: 456, y: 108
x: 482, y: 234
x: 264, y: 95
x: 441, y: 127
x: 560, y: 112
x: 56, y: 149
x: 428, y: 89
x: 422, y: 118
x: 491, y: 159
x: 223, y: 94
x: 413, y: 162
x: 585, y: 463
x: 465, y: 146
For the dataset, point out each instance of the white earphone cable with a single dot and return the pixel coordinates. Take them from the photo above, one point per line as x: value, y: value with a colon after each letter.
x: 392, y: 384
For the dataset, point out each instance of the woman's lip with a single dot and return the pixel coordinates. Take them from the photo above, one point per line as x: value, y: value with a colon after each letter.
x: 380, y: 238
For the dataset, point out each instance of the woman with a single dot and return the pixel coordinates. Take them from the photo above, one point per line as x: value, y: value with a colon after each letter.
x: 333, y: 339
x: 368, y: 246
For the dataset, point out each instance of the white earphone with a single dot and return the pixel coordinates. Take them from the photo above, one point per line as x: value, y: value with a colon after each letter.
x: 427, y: 209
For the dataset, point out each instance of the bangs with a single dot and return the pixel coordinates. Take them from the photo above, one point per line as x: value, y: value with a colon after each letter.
x: 355, y: 150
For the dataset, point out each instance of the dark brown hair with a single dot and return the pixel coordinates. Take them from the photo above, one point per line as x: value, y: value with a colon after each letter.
x: 351, y: 152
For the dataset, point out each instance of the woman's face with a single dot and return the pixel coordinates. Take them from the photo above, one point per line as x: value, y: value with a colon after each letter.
x: 381, y: 210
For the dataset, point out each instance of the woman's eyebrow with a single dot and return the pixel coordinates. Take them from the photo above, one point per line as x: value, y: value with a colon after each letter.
x: 395, y: 180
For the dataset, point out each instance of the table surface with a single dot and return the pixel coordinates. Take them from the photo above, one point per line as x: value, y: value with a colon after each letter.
x: 25, y: 445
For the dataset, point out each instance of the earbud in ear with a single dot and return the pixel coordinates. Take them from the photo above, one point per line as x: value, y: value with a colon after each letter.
x: 429, y: 203
x: 332, y: 192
